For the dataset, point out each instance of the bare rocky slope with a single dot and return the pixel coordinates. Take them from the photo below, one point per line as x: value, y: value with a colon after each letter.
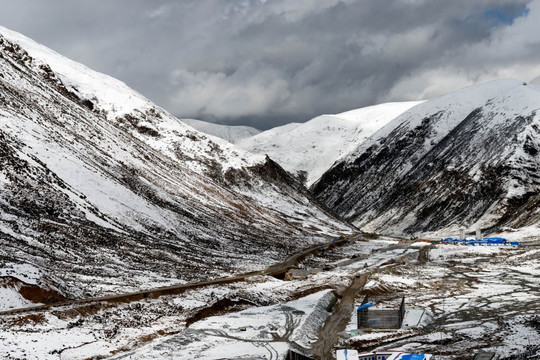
x: 469, y: 158
x: 103, y: 192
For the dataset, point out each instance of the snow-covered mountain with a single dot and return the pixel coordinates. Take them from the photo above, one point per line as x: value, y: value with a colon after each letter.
x: 469, y: 158
x: 102, y: 191
x: 232, y: 134
x: 308, y: 149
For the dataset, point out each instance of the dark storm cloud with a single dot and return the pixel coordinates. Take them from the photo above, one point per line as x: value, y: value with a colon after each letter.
x: 265, y: 63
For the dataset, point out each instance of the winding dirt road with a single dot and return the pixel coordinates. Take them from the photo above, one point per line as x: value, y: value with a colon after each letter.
x: 338, y: 320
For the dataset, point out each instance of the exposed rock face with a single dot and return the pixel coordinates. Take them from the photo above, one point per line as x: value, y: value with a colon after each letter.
x: 469, y: 158
x: 106, y: 192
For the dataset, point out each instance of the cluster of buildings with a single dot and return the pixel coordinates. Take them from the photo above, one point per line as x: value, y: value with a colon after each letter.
x: 494, y: 241
x: 478, y: 240
x: 367, y: 317
x: 379, y: 355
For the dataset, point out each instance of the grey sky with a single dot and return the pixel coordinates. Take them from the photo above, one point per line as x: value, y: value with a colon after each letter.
x: 267, y: 63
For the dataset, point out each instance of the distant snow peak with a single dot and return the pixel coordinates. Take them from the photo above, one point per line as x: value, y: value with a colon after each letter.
x: 307, y: 150
x: 232, y: 134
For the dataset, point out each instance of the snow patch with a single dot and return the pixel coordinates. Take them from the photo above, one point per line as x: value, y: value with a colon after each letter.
x: 26, y: 273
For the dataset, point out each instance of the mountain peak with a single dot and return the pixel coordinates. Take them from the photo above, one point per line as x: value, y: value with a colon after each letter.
x: 98, y: 181
x: 465, y: 158
x: 308, y: 149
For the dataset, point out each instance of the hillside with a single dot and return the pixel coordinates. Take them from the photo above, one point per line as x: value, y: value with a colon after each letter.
x: 308, y: 149
x: 469, y: 158
x: 104, y: 192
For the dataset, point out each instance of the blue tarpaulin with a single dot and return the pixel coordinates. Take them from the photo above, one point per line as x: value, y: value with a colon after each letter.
x: 412, y: 357
x: 364, y: 306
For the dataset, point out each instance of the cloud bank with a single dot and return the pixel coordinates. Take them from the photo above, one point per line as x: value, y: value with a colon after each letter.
x: 269, y: 62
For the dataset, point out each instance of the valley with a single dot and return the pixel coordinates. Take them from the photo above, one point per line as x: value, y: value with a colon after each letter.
x: 125, y: 233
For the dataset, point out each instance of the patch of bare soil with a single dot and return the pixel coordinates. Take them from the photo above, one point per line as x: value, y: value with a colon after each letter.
x: 85, y: 310
x: 30, y: 319
x: 32, y: 293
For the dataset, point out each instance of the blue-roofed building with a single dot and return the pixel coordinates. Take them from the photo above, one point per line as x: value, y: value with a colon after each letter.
x: 412, y: 357
x: 488, y: 241
x: 392, y: 355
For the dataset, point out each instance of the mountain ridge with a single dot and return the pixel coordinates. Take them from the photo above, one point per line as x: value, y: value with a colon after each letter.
x: 457, y: 160
x: 106, y: 199
x: 308, y: 149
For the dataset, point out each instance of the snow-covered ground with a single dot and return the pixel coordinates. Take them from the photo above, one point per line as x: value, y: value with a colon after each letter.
x: 157, y: 326
x: 482, y: 298
x: 267, y: 331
